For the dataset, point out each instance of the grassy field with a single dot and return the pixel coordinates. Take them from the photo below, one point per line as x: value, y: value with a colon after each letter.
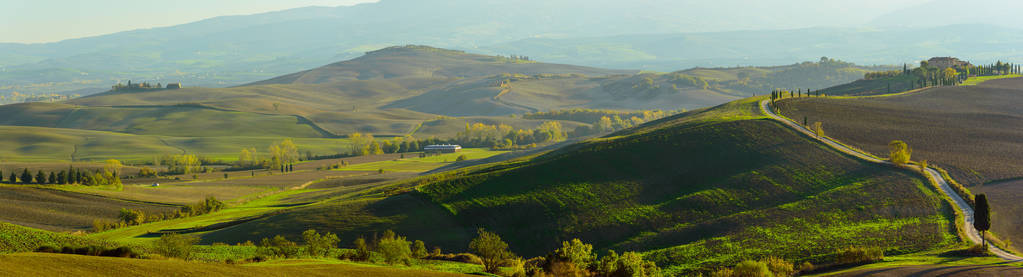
x: 174, y: 121
x: 693, y: 192
x: 38, y: 264
x: 933, y: 263
x: 413, y: 163
x: 971, y: 131
x: 38, y: 144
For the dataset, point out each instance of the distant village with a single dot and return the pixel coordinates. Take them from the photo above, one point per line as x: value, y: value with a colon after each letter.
x: 143, y: 86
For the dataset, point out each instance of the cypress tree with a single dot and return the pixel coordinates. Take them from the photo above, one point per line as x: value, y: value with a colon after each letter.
x: 53, y: 178
x: 26, y: 177
x: 1, y: 176
x: 14, y: 178
x: 981, y: 216
x: 40, y: 177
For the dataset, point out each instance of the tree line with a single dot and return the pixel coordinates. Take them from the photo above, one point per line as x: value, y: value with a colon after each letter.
x: 105, y: 177
x: 131, y: 217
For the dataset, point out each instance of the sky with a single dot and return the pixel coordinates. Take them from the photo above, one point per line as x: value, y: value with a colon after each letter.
x: 36, y: 21
x: 33, y: 21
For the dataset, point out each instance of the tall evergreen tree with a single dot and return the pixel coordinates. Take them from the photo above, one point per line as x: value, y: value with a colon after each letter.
x: 14, y: 178
x: 1, y: 176
x: 40, y: 177
x: 26, y: 177
x: 52, y: 179
x: 981, y: 216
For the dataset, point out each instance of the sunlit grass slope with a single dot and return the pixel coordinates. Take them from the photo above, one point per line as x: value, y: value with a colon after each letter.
x: 696, y: 191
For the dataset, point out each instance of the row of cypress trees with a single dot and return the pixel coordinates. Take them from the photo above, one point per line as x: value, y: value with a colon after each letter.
x: 64, y: 177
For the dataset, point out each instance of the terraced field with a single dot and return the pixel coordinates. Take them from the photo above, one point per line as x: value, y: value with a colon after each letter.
x: 971, y: 131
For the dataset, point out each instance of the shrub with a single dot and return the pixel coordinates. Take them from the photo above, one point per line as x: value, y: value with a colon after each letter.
x: 468, y: 258
x: 419, y: 249
x: 279, y: 246
x: 724, y: 272
x: 461, y: 158
x: 394, y: 248
x: 859, y: 255
x: 779, y: 267
x: 175, y: 245
x: 491, y: 250
x: 806, y: 267
x: 319, y: 245
x: 362, y: 252
x: 749, y: 268
x: 576, y: 252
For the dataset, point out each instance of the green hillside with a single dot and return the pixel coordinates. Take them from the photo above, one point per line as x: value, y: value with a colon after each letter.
x: 181, y: 121
x: 693, y: 192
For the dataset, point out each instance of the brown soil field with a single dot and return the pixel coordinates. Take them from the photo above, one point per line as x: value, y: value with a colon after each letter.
x: 974, y: 132
x: 57, y: 210
x: 41, y: 264
x: 937, y: 270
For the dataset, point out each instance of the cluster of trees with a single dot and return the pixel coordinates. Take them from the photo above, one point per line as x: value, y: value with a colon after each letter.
x: 502, y: 136
x: 779, y: 94
x: 998, y: 68
x: 106, y: 177
x: 574, y: 258
x: 600, y: 120
x: 281, y: 155
x: 132, y: 217
x: 181, y: 164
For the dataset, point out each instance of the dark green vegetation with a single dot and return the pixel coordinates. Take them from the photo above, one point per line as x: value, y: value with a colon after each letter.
x: 937, y: 270
x: 971, y: 131
x: 14, y: 238
x: 693, y: 192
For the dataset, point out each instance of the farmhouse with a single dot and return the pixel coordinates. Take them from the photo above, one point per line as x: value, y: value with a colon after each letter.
x: 442, y: 148
x: 173, y: 85
x: 946, y: 62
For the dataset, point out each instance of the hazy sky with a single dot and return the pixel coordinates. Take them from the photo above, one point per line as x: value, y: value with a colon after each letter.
x: 30, y: 21
x: 53, y: 20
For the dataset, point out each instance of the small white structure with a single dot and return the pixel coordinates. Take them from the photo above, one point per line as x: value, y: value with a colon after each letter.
x: 442, y: 148
x: 156, y: 185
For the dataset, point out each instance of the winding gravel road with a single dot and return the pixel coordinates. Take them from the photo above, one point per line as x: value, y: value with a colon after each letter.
x: 960, y: 204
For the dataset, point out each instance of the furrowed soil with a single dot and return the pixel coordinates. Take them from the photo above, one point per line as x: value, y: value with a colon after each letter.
x: 974, y: 132
x: 57, y: 210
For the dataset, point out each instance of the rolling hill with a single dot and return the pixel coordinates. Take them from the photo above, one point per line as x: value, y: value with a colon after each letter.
x: 721, y: 184
x: 971, y: 131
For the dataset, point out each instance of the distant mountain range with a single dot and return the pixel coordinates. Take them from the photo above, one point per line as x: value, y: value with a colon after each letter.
x: 641, y: 35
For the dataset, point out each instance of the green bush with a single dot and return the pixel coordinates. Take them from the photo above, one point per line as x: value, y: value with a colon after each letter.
x: 279, y: 246
x: 576, y: 252
x: 858, y: 255
x: 175, y: 245
x: 752, y: 269
x: 394, y: 248
x: 319, y: 245
x: 779, y: 266
x: 419, y: 249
